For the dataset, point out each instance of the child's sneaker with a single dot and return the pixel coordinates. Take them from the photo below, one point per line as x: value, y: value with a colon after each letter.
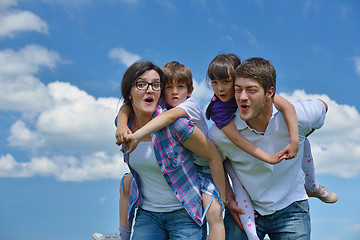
x: 107, y: 236
x: 330, y: 197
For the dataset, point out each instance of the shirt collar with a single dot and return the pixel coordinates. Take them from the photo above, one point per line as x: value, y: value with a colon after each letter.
x: 241, y: 124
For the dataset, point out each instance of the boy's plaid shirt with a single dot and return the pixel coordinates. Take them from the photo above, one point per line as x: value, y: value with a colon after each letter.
x: 176, y: 164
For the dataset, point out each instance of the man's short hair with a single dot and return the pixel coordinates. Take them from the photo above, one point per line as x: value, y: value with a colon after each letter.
x: 258, y: 69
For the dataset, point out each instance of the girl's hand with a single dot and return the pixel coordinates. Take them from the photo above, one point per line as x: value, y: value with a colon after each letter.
x: 290, y: 151
x: 276, y: 158
x: 121, y: 134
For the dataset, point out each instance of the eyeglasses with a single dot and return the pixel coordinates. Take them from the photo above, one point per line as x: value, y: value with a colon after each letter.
x: 141, y: 85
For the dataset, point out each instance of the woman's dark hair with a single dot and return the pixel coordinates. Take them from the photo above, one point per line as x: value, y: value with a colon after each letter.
x: 221, y: 67
x: 133, y: 73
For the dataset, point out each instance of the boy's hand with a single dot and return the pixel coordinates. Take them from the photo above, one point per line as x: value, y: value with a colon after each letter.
x: 121, y: 134
x: 131, y: 143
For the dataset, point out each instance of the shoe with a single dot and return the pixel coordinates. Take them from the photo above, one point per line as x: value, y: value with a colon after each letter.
x: 107, y: 236
x: 331, y: 197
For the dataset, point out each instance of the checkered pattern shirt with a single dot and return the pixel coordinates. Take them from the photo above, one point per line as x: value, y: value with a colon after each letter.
x: 176, y: 164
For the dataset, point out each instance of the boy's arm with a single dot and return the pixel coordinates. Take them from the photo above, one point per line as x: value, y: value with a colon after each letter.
x: 199, y: 144
x: 122, y: 129
x: 244, y: 144
x: 157, y: 123
x: 288, y: 109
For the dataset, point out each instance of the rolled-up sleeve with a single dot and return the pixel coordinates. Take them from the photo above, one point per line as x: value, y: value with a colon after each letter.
x: 183, y: 128
x: 310, y: 113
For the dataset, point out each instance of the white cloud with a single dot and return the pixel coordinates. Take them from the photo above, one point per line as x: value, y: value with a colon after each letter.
x: 68, y: 3
x: 70, y: 134
x: 168, y: 4
x: 21, y: 136
x: 102, y: 200
x: 75, y: 4
x: 27, y: 60
x: 20, y: 90
x: 66, y: 168
x: 357, y: 65
x: 353, y: 228
x: 123, y: 56
x: 4, y: 4
x: 38, y: 166
x: 24, y: 94
x: 246, y: 33
x: 75, y: 122
x: 78, y: 125
x: 13, y: 21
x: 87, y: 121
x: 250, y: 37
x: 310, y: 5
x: 228, y: 38
x: 336, y: 146
x: 202, y: 93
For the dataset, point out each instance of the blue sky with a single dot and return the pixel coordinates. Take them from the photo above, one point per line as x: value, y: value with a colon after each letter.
x: 61, y: 63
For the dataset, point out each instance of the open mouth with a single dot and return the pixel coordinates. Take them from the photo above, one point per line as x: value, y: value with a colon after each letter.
x: 149, y: 100
x: 244, y: 107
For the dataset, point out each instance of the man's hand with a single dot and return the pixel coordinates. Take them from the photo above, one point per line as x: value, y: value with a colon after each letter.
x: 235, y: 211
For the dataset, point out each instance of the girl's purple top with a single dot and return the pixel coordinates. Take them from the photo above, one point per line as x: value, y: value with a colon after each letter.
x: 223, y: 112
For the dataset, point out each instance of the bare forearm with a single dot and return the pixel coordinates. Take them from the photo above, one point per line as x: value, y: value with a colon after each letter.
x: 290, y: 117
x: 122, y: 130
x: 124, y: 114
x: 202, y: 146
x: 244, y: 144
x: 159, y: 122
x: 218, y: 175
x: 154, y: 125
x: 253, y: 150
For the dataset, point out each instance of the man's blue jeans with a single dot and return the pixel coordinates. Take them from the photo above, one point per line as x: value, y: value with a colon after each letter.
x: 292, y: 222
x: 165, y: 225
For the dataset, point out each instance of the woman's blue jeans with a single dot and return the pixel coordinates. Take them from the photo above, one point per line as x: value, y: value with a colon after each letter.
x: 292, y: 222
x: 166, y: 225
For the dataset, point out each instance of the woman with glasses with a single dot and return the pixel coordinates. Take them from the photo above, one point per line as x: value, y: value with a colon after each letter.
x: 165, y: 185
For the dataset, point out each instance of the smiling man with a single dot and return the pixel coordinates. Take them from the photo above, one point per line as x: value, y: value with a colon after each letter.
x: 277, y: 191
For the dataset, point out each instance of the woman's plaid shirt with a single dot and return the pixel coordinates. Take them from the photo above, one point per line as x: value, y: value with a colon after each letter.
x: 177, y: 165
